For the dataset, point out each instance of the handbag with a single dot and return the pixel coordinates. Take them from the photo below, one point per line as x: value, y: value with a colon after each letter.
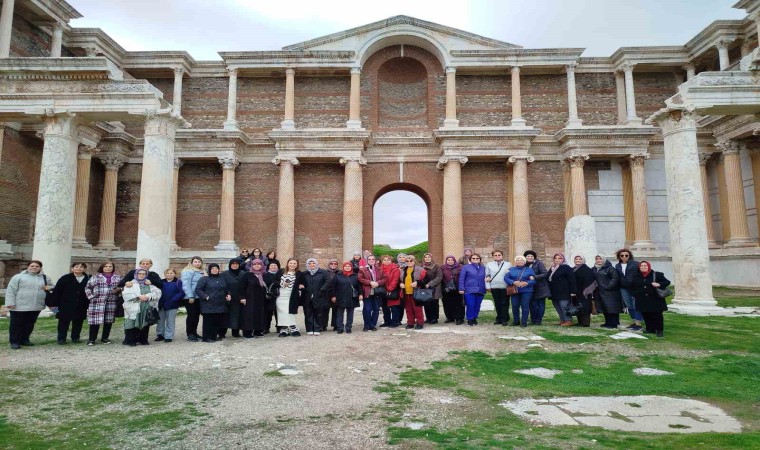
x: 151, y: 316
x: 393, y: 295
x: 662, y: 292
x: 272, y: 292
x: 450, y: 286
x: 423, y: 295
x: 574, y: 309
x: 514, y: 290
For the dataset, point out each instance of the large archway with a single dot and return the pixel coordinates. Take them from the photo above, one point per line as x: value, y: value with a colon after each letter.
x: 410, y: 226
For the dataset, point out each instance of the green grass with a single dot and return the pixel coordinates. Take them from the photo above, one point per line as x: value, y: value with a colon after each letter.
x: 417, y: 250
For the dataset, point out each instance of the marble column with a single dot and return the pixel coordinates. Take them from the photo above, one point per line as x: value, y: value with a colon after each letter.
x: 286, y: 208
x: 641, y: 239
x: 722, y: 46
x: 746, y: 48
x: 517, y: 119
x: 630, y: 95
x: 231, y: 122
x: 703, y: 158
x: 620, y: 94
x: 737, y: 207
x: 355, y: 100
x: 289, y: 122
x: 568, y: 189
x: 691, y: 71
x: 57, y: 42
x: 6, y: 28
x: 177, y: 97
x: 112, y: 164
x: 625, y: 165
x: 178, y: 163
x: 572, y: 98
x: 227, y: 217
x: 155, y: 213
x: 755, y: 157
x: 57, y: 195
x: 453, y: 223
x: 756, y: 18
x: 520, y: 204
x: 578, y: 185
x: 84, y: 161
x: 451, y: 98
x: 353, y: 205
x: 686, y: 214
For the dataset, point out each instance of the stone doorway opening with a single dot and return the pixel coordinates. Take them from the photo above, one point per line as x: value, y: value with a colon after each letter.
x: 401, y: 217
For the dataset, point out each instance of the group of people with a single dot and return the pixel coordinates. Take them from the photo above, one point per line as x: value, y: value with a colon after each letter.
x: 256, y: 291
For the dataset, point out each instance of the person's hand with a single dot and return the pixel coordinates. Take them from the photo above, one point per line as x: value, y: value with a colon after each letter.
x: 11, y: 306
x: 655, y: 285
x: 461, y: 292
x: 143, y: 298
x: 147, y: 282
x: 300, y: 286
x: 242, y: 301
x: 129, y: 284
x: 46, y: 288
x: 361, y: 297
x: 414, y: 284
x: 191, y: 300
x: 228, y: 297
x: 333, y: 299
x: 401, y: 285
x: 488, y: 279
x: 373, y: 284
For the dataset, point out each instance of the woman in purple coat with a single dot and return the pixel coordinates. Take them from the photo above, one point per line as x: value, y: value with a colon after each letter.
x: 472, y: 284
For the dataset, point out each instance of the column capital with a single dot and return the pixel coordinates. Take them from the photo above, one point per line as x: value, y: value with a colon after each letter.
x: 86, y: 151
x: 356, y: 70
x: 360, y: 160
x: 704, y: 157
x: 515, y: 69
x: 91, y: 51
x: 447, y: 159
x: 571, y: 67
x: 229, y: 162
x: 676, y: 121
x: 689, y: 66
x: 514, y: 158
x: 451, y: 69
x: 112, y: 162
x: 178, y: 163
x: 728, y: 147
x: 627, y: 67
x: 178, y: 71
x: 162, y: 123
x: 638, y: 159
x: 625, y: 163
x: 290, y: 71
x: 722, y: 44
x: 64, y: 123
x: 285, y: 159
x: 232, y: 71
x: 577, y: 160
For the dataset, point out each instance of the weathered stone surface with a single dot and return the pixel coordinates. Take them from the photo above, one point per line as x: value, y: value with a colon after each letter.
x: 580, y: 239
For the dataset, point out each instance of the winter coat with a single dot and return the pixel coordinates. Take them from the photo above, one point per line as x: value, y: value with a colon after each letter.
x: 584, y: 278
x: 70, y: 297
x: 357, y: 264
x: 343, y: 289
x: 233, y: 281
x: 190, y: 280
x: 315, y: 288
x: 433, y: 279
x: 131, y: 302
x: 450, y: 275
x: 171, y: 294
x: 270, y: 280
x: 416, y: 276
x: 541, y: 288
x: 102, y: 299
x: 524, y: 273
x: 630, y: 270
x: 472, y: 279
x: 254, y: 315
x: 647, y: 300
x: 365, y: 278
x: 497, y: 271
x: 155, y: 279
x: 297, y: 296
x: 212, y: 292
x: 562, y: 283
x: 393, y: 279
x: 607, y: 295
x: 25, y: 291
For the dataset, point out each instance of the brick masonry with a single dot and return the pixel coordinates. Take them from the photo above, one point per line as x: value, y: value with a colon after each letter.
x: 19, y: 184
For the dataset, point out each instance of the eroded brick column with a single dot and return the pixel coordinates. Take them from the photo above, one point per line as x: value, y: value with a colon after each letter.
x: 737, y: 207
x: 84, y: 161
x: 641, y: 238
x: 289, y: 122
x: 703, y: 158
x: 520, y: 204
x: 453, y: 224
x: 451, y: 98
x: 630, y: 95
x: 231, y: 122
x: 355, y: 100
x: 572, y: 98
x: 178, y: 163
x: 286, y: 208
x: 227, y: 218
x: 578, y: 185
x: 112, y: 164
x: 517, y: 119
x: 353, y: 205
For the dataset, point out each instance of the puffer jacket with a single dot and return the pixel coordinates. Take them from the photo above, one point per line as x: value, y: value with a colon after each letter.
x: 541, y: 288
x: 190, y: 280
x: 25, y: 291
x: 472, y: 279
x: 212, y: 292
x: 524, y: 273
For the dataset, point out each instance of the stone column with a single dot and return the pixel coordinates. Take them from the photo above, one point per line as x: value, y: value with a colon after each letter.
x: 641, y: 239
x: 691, y: 71
x: 289, y: 122
x: 353, y: 205
x: 231, y: 122
x: 755, y: 156
x: 568, y: 189
x: 625, y: 164
x: 722, y: 46
x: 703, y: 158
x: 572, y: 98
x: 620, y: 91
x: 177, y: 97
x: 155, y: 214
x: 57, y: 42
x: 453, y: 223
x: 451, y: 98
x: 756, y: 18
x: 84, y: 161
x: 686, y: 214
x: 517, y: 119
x: 6, y: 28
x: 286, y: 208
x: 178, y: 163
x: 227, y: 222
x: 355, y: 100
x: 737, y: 207
x: 578, y: 185
x: 746, y: 48
x: 57, y: 195
x: 112, y: 164
x: 630, y: 95
x: 520, y: 204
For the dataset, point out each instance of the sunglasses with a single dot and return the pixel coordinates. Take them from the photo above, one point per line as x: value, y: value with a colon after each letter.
x: 625, y: 255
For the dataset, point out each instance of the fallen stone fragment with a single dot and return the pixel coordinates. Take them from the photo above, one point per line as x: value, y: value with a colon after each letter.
x: 627, y: 335
x: 651, y: 372
x: 540, y: 372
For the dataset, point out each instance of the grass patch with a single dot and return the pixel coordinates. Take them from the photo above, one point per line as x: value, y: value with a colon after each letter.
x: 417, y: 250
x: 273, y: 373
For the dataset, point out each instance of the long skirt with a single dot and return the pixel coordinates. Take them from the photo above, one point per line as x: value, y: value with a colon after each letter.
x: 284, y: 318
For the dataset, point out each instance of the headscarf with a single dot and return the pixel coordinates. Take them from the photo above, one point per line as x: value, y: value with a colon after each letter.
x: 451, y: 266
x: 343, y: 269
x: 316, y: 267
x: 210, y: 266
x: 239, y: 263
x: 332, y: 260
x: 464, y: 254
x: 577, y: 266
x: 431, y: 264
x: 258, y: 273
x: 599, y: 266
x: 401, y: 265
x: 267, y: 266
x: 555, y: 266
x: 139, y: 281
x: 648, y: 271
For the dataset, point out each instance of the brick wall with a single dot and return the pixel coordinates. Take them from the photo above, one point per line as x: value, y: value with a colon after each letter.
x: 19, y: 183
x: 199, y: 203
x: 484, y: 206
x: 319, y: 211
x: 547, y: 207
x: 321, y: 102
x: 256, y: 188
x: 260, y: 104
x: 95, y: 200
x: 127, y: 206
x: 29, y: 40
x: 484, y: 101
x: 597, y: 98
x: 651, y: 91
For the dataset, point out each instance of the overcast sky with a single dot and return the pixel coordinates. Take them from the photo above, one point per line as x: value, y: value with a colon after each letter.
x: 204, y: 27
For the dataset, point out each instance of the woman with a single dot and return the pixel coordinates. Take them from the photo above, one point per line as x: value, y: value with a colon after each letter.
x: 495, y: 272
x: 371, y: 277
x: 25, y: 298
x: 329, y: 315
x: 146, y: 264
x: 432, y: 280
x: 102, y: 291
x: 256, y: 254
x: 289, y: 299
x: 540, y: 289
x: 233, y: 277
x: 561, y: 287
x: 523, y: 278
x: 245, y: 258
x: 270, y: 258
x: 401, y: 262
x: 254, y: 318
x: 272, y: 283
x: 391, y: 306
x: 585, y: 284
x: 410, y: 276
x: 171, y: 297
x: 139, y: 296
x: 71, y: 300
x: 190, y: 275
x: 453, y: 305
x: 315, y: 284
x: 644, y: 286
x: 472, y: 284
x: 357, y: 262
x: 607, y: 295
x: 213, y: 294
x: 464, y: 260
x: 345, y: 293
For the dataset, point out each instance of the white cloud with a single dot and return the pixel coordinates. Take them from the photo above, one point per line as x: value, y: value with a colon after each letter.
x: 401, y: 219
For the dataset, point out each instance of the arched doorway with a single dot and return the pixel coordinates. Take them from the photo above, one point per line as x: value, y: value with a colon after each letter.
x: 410, y: 224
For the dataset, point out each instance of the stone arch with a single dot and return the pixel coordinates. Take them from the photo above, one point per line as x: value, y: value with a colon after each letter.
x: 397, y: 37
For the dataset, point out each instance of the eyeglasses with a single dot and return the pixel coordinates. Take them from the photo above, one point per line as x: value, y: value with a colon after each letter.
x: 333, y: 264
x: 625, y: 255
x: 474, y: 259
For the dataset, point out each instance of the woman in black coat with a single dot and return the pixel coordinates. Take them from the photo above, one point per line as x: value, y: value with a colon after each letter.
x: 213, y: 295
x: 607, y: 294
x: 71, y: 300
x: 345, y: 292
x: 272, y: 283
x: 585, y: 284
x: 254, y: 318
x: 232, y: 278
x: 562, y: 287
x: 644, y: 289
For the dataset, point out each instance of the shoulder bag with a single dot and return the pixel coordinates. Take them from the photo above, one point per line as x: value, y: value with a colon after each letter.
x: 423, y: 295
x: 513, y: 290
x: 662, y: 292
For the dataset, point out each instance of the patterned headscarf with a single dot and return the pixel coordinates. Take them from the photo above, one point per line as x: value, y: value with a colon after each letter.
x: 139, y: 281
x: 259, y: 273
x: 316, y: 267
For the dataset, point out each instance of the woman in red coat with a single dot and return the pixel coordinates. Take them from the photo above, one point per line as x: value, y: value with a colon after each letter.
x: 392, y: 301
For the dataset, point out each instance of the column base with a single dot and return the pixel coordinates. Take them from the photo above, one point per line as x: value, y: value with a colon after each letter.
x: 80, y: 243
x: 288, y: 125
x: 173, y: 247
x: 226, y: 246
x: 518, y: 122
x: 713, y: 245
x: 740, y: 242
x: 573, y: 123
x: 450, y: 123
x: 634, y: 121
x: 354, y: 125
x: 231, y: 125
x: 106, y: 246
x: 643, y: 246
x: 704, y: 307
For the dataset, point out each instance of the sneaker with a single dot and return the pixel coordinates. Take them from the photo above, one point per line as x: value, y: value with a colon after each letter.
x: 168, y: 341
x: 76, y: 341
x: 471, y: 323
x: 61, y: 342
x: 373, y: 329
x: 15, y: 346
x: 385, y: 325
x: 159, y: 338
x: 636, y: 328
x: 295, y: 333
x: 566, y: 324
x: 316, y: 333
x: 458, y: 322
x: 475, y: 321
x: 208, y: 341
x: 631, y: 326
x: 90, y: 343
x: 105, y: 341
x: 310, y: 333
x: 283, y: 334
x: 418, y: 327
x: 192, y: 338
x: 348, y: 331
x: 340, y: 331
x: 365, y: 329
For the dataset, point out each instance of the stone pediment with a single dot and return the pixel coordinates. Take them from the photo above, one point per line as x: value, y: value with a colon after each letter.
x: 393, y: 31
